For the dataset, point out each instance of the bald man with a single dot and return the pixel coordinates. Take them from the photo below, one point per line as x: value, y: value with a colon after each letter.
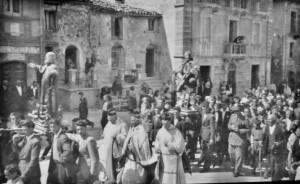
x: 274, y: 147
x: 49, y: 72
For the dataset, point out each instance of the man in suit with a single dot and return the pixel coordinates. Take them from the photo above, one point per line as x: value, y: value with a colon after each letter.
x: 239, y: 129
x: 297, y: 111
x: 274, y: 146
x: 207, y: 134
x: 62, y: 167
x: 33, y: 91
x: 4, y: 97
x: 18, y: 97
x: 220, y: 137
x: 28, y: 146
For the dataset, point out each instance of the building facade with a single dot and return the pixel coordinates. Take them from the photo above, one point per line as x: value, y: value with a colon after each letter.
x: 209, y: 28
x: 285, y: 43
x: 119, y: 39
x: 20, y: 39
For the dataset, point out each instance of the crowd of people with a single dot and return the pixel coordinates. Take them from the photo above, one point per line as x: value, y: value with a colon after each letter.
x: 161, y: 139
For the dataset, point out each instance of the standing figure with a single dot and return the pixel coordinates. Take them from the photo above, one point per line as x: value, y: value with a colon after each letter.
x: 83, y: 107
x: 106, y: 107
x: 89, y: 167
x: 237, y: 139
x: 62, y: 167
x: 169, y: 144
x: 137, y: 149
x: 274, y: 148
x: 207, y: 133
x: 207, y: 87
x: 19, y: 98
x: 88, y: 72
x: 4, y: 99
x: 33, y: 91
x: 132, y: 104
x: 115, y: 131
x: 28, y: 146
x: 49, y: 83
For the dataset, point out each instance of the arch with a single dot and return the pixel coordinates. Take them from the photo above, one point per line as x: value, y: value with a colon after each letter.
x: 150, y: 60
x: 71, y: 60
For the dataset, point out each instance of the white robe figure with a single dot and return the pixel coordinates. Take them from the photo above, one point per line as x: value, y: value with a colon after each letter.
x: 170, y: 165
x: 119, y: 131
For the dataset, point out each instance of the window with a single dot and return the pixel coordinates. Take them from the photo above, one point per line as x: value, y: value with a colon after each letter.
x: 117, y: 57
x: 232, y: 30
x: 50, y: 20
x: 240, y: 4
x: 117, y: 28
x: 291, y: 54
x: 293, y: 22
x: 227, y: 3
x: 256, y: 33
x: 151, y: 24
x: 253, y: 6
x: 244, y: 4
x: 12, y: 7
x: 263, y: 6
x: 207, y: 29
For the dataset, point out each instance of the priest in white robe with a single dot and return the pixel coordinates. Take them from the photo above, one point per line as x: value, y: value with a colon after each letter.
x: 170, y: 144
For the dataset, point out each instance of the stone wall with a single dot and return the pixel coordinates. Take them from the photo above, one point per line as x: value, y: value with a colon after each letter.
x: 91, y: 32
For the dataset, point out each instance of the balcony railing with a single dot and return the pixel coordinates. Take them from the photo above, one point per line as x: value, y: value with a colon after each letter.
x: 234, y: 49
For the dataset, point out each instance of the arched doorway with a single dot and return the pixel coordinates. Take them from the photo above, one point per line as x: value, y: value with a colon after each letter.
x: 71, y: 56
x: 150, y: 61
x: 117, y: 60
x: 231, y: 76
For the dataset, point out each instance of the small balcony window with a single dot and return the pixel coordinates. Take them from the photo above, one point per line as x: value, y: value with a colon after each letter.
x: 151, y: 23
x: 50, y: 20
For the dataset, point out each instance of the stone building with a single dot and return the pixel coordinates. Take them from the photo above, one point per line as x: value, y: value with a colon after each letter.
x: 119, y: 39
x: 285, y: 45
x: 208, y: 28
x: 20, y: 39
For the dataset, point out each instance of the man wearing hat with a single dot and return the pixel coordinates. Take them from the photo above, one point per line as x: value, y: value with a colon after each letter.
x: 115, y: 130
x: 28, y: 146
x: 62, y: 166
x: 136, y: 147
x: 239, y: 129
x: 207, y: 133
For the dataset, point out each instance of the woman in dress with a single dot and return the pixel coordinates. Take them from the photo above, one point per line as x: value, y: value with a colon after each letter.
x: 89, y: 167
x: 106, y: 106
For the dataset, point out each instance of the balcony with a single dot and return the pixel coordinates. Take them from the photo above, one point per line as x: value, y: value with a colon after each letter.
x: 235, y: 50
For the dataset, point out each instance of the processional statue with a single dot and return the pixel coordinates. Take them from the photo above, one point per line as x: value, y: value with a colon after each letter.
x: 186, y: 79
x: 48, y: 95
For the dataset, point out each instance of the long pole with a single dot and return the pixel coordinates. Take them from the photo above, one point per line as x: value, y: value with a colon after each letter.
x: 259, y: 157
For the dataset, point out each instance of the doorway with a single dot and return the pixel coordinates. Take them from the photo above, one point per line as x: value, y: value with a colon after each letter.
x: 13, y: 71
x: 255, y: 76
x: 231, y: 80
x: 70, y: 61
x: 204, y: 72
x: 150, y: 62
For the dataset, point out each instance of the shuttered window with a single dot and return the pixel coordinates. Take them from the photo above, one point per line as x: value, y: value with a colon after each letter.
x: 232, y: 30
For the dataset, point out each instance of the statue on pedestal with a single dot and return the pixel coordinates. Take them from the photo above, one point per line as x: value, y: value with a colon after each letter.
x: 50, y: 76
x: 186, y: 79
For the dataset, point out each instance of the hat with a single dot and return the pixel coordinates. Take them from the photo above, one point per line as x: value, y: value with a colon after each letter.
x: 166, y: 117
x: 112, y: 112
x: 80, y: 93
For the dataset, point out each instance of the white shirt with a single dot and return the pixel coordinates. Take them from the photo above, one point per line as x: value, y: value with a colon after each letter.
x: 34, y: 89
x: 288, y: 124
x: 54, y: 146
x: 19, y: 88
x: 272, y: 128
x: 217, y: 116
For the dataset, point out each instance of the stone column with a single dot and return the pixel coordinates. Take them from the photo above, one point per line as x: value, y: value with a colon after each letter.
x: 72, y: 78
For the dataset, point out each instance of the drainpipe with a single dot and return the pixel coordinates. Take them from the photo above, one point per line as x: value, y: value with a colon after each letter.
x: 192, y: 12
x: 41, y: 29
x: 285, y: 40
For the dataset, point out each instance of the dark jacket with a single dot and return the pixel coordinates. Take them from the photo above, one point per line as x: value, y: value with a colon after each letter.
x: 279, y: 137
x: 238, y: 138
x: 83, y: 108
x: 29, y: 152
x: 66, y: 159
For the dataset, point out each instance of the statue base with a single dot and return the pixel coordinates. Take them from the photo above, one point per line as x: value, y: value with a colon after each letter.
x: 187, y: 112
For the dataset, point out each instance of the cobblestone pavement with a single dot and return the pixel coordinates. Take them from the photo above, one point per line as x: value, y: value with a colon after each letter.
x: 219, y: 174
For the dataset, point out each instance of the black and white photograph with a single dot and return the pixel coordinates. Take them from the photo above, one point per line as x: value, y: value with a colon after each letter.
x: 149, y: 91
